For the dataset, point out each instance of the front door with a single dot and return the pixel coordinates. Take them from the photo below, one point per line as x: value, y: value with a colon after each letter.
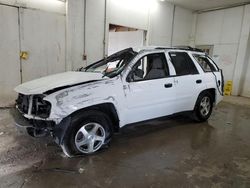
x: 150, y: 92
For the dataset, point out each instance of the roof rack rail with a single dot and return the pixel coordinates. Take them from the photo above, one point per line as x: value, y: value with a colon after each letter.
x: 182, y: 48
x: 189, y: 48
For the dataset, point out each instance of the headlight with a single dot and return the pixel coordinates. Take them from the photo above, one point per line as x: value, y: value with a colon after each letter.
x: 40, y: 107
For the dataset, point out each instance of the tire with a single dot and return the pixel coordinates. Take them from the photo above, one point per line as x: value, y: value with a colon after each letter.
x: 203, y: 107
x: 88, y: 133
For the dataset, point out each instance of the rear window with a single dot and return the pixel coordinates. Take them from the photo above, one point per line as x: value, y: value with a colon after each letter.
x: 182, y: 63
x: 205, y: 63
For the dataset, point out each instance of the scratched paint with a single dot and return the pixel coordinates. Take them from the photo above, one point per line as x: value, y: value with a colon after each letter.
x: 71, y: 99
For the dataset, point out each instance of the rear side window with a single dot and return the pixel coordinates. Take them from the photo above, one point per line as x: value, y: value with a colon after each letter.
x: 204, y: 62
x: 182, y: 63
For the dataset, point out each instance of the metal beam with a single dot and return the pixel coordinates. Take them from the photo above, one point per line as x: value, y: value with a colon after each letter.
x: 222, y: 7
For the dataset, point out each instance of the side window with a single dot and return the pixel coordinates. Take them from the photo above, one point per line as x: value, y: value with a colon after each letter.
x: 151, y: 66
x: 182, y: 63
x: 204, y: 62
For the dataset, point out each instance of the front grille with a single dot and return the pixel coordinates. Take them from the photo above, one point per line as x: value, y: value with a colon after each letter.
x: 22, y: 103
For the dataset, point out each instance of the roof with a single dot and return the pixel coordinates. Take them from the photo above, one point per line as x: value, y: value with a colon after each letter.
x: 150, y: 48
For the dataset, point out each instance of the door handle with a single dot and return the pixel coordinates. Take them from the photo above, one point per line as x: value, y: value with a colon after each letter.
x: 198, y: 81
x: 168, y: 85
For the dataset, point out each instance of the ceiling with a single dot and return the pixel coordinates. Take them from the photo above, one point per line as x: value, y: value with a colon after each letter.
x: 206, y: 4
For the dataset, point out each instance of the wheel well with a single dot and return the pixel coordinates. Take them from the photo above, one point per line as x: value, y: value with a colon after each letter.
x: 107, y: 108
x: 212, y: 92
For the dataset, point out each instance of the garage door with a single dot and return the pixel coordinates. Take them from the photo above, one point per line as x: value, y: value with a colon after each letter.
x: 9, y: 54
x: 43, y: 38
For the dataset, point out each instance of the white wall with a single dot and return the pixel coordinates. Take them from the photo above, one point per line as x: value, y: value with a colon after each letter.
x: 154, y: 16
x: 241, y: 72
x: 245, y: 90
x: 95, y: 18
x: 88, y: 40
x: 182, y: 30
x: 160, y: 24
x: 228, y: 31
x: 42, y: 35
x: 46, y: 5
x: 126, y: 39
x: 129, y: 13
x: 221, y: 29
x: 9, y: 55
x: 75, y: 34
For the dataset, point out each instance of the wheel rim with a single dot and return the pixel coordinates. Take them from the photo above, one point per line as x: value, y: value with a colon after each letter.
x: 90, y: 137
x: 205, y: 106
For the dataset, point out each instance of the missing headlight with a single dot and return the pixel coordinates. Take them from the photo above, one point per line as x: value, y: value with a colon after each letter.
x: 40, y: 107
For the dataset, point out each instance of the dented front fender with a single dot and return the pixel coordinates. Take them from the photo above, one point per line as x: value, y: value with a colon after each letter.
x: 70, y: 100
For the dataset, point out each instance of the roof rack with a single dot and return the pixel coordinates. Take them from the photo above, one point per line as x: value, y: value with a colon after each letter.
x: 189, y: 48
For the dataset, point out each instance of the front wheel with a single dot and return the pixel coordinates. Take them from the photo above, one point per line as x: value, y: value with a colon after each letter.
x: 90, y: 138
x: 88, y: 134
x: 203, y: 107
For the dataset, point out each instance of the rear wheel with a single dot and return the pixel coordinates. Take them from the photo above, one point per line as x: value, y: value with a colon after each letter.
x: 88, y: 134
x: 203, y: 107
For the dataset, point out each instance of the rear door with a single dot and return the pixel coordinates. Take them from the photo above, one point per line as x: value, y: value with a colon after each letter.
x: 188, y: 82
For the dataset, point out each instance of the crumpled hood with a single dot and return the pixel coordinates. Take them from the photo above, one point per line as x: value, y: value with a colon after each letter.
x: 47, y: 83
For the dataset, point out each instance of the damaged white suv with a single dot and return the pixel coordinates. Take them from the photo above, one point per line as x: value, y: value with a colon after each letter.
x: 81, y: 110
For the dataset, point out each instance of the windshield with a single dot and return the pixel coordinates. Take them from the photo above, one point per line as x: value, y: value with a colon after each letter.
x: 112, y: 65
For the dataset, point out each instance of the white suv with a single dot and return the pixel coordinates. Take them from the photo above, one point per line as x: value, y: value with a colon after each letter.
x: 82, y: 109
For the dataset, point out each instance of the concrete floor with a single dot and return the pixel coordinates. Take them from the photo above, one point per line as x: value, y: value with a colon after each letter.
x: 169, y: 153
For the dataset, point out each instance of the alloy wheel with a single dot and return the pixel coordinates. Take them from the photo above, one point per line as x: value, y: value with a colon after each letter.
x: 89, y: 138
x: 205, y: 106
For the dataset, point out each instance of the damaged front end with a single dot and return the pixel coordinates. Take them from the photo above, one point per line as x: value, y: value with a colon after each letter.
x: 32, y: 115
x: 33, y: 106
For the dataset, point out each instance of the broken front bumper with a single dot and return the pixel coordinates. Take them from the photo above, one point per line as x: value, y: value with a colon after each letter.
x: 21, y: 122
x: 35, y: 128
x: 41, y: 128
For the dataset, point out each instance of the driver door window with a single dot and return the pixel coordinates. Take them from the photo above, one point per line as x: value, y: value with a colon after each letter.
x: 149, y: 67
